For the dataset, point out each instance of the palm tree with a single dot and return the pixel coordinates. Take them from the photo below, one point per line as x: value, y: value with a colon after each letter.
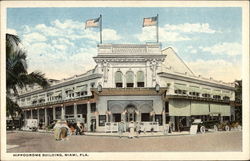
x: 17, y: 76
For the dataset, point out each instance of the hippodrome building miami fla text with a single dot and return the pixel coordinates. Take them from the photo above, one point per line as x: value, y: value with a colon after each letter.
x: 132, y: 82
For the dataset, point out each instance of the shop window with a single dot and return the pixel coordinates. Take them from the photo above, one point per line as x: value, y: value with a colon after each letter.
x: 102, y: 120
x: 158, y: 118
x: 140, y: 84
x: 130, y: 84
x: 196, y: 94
x: 205, y: 95
x: 93, y: 107
x: 116, y: 117
x: 118, y: 85
x: 145, y: 117
x: 178, y: 91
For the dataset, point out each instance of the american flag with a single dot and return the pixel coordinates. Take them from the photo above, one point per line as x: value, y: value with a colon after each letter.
x: 150, y: 21
x: 92, y: 23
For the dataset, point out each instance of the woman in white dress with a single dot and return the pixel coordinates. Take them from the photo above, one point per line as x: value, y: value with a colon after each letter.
x: 131, y: 129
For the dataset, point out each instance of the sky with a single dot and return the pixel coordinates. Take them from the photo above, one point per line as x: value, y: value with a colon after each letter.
x: 208, y: 39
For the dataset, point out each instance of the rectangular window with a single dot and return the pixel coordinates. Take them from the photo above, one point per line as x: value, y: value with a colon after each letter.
x: 145, y: 117
x: 102, y: 120
x: 130, y: 84
x: 93, y: 107
x: 118, y: 85
x: 167, y: 119
x: 140, y: 84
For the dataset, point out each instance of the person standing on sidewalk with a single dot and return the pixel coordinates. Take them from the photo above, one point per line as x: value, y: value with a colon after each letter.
x: 131, y: 129
x: 121, y: 128
x: 137, y: 129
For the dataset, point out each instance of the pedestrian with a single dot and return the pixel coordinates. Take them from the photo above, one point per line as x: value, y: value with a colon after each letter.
x: 82, y: 128
x: 138, y: 129
x: 131, y: 129
x: 121, y: 128
x: 57, y: 130
x: 78, y: 128
x: 65, y: 130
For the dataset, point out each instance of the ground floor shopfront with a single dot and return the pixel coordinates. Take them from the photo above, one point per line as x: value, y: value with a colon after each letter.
x: 136, y: 106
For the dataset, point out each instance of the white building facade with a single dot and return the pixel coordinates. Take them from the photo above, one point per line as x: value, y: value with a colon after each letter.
x: 132, y: 82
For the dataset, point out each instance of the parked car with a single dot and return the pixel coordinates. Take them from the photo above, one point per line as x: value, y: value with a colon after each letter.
x: 216, y: 125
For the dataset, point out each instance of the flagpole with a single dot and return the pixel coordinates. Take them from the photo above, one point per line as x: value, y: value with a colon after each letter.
x: 100, y: 29
x: 157, y: 29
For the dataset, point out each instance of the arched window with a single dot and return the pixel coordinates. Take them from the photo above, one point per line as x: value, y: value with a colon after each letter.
x: 118, y: 79
x: 130, y: 79
x: 140, y: 79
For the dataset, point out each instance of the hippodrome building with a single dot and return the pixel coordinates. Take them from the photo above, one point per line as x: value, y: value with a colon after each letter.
x: 132, y: 82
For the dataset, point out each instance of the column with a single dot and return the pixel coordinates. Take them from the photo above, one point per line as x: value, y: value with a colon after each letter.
x: 54, y: 112
x: 38, y: 116
x: 62, y: 112
x: 163, y: 117
x: 25, y: 114
x: 75, y: 110
x: 88, y: 116
x: 46, y: 117
x: 31, y: 114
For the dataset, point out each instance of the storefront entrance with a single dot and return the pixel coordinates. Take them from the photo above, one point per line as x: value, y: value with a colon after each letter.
x: 131, y: 114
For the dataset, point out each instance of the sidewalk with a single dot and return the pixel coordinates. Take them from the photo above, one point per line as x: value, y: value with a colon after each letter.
x: 126, y: 134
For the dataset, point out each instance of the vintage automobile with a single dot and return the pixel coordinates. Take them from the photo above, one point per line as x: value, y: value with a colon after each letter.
x: 216, y: 125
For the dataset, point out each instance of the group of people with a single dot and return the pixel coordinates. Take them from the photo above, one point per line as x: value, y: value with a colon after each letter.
x: 134, y: 129
x: 62, y: 129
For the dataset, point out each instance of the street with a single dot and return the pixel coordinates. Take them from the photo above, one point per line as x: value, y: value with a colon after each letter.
x: 44, y: 142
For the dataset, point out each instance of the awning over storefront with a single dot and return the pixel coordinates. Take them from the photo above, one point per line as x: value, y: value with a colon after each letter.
x: 146, y: 108
x: 215, y: 108
x: 225, y: 110
x: 116, y: 109
x: 179, y: 107
x: 199, y: 108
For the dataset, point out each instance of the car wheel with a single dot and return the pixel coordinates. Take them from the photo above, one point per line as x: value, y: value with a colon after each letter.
x: 227, y: 128
x: 202, y: 129
x: 215, y: 128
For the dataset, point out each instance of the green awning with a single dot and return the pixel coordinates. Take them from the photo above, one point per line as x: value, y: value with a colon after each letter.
x: 214, y: 108
x: 225, y: 110
x: 129, y: 77
x: 118, y: 77
x: 140, y: 76
x: 199, y: 108
x: 179, y: 107
x: 180, y: 87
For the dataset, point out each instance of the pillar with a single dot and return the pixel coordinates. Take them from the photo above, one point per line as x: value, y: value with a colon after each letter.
x: 62, y: 112
x: 45, y: 117
x: 38, y: 116
x: 54, y: 112
x: 75, y: 110
x: 163, y: 117
x: 25, y: 114
x: 31, y: 114
x: 88, y: 116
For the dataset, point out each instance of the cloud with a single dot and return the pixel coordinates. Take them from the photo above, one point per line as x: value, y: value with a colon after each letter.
x: 231, y: 49
x: 149, y: 34
x: 34, y: 37
x: 63, y: 48
x: 190, y: 28
x: 217, y: 69
x: 11, y: 31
